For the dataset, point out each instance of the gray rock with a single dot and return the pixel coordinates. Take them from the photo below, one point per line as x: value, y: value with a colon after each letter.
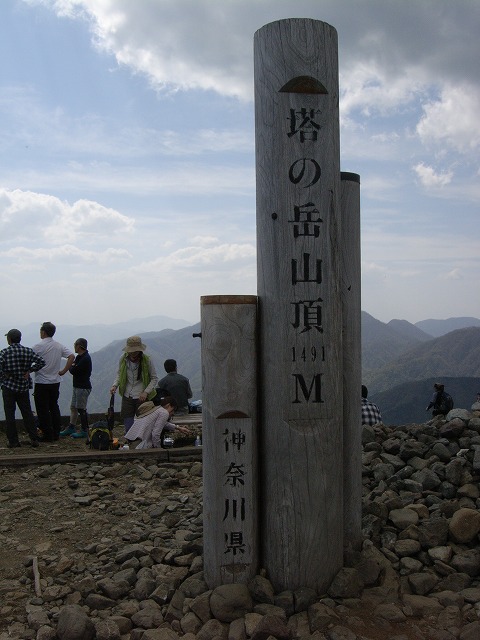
x: 467, y: 561
x: 403, y: 518
x: 346, y: 584
x: 422, y: 606
x: 148, y: 618
x: 261, y: 589
x: 303, y: 598
x: 390, y: 612
x: 464, y: 525
x: 74, y: 624
x: 271, y: 626
x: 213, y: 629
x: 230, y: 601
x: 107, y: 630
x: 321, y: 617
x: 422, y: 583
x: 113, y: 589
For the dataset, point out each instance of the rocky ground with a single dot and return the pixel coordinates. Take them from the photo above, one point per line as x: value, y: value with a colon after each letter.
x: 112, y: 549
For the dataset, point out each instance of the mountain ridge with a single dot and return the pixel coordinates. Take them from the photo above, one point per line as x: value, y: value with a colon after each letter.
x: 394, y: 354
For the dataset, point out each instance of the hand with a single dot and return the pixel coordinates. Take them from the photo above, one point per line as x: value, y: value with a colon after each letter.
x: 184, y: 430
x: 62, y: 372
x: 142, y: 397
x: 113, y: 389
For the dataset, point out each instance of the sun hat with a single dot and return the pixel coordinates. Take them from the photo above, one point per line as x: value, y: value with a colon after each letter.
x: 145, y: 408
x: 134, y: 343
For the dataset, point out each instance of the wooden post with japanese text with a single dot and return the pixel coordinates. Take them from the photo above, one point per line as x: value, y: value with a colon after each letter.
x: 229, y: 437
x: 298, y: 261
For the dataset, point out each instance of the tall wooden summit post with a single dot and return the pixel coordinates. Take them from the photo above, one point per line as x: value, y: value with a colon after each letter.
x: 298, y: 248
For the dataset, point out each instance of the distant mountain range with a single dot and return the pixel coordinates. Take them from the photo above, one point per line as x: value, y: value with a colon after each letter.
x: 100, y: 335
x: 400, y: 360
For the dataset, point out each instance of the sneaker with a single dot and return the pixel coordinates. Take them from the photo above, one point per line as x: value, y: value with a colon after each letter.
x: 79, y: 434
x: 70, y: 430
x: 34, y: 443
x: 13, y: 445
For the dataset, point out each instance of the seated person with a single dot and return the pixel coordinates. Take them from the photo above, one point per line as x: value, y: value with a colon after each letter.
x: 150, y: 421
x: 175, y: 385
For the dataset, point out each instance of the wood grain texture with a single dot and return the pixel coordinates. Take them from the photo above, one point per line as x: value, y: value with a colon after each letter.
x: 229, y: 432
x: 299, y: 287
x: 352, y: 364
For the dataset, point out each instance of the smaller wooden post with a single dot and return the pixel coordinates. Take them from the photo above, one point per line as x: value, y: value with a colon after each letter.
x: 229, y: 435
x: 352, y: 365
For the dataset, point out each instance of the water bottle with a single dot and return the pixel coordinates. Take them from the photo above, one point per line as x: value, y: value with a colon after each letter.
x: 198, y: 441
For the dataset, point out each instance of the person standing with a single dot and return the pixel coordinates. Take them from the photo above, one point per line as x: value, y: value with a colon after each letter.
x: 47, y: 381
x: 370, y: 412
x: 175, y: 385
x: 136, y: 379
x: 16, y: 364
x: 81, y: 371
x: 441, y: 401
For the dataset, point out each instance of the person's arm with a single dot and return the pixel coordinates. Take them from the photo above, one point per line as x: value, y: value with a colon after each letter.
x: 36, y: 363
x: 152, y: 384
x: 153, y: 377
x: 189, y: 390
x: 114, y: 386
x: 70, y: 360
x: 160, y: 423
x: 432, y: 401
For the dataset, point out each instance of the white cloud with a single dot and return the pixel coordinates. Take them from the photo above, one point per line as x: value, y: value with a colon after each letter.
x: 452, y: 119
x: 454, y: 274
x: 25, y: 214
x: 429, y: 178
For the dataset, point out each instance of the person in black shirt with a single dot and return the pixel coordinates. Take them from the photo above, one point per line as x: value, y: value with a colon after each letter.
x: 81, y: 371
x: 175, y: 385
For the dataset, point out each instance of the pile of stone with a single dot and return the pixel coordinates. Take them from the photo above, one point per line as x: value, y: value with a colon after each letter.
x: 135, y: 571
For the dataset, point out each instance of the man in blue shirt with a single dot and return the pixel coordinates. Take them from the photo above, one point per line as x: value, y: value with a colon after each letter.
x: 16, y: 364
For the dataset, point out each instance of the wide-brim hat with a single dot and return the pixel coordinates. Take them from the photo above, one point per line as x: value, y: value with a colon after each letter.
x: 145, y: 408
x: 134, y: 343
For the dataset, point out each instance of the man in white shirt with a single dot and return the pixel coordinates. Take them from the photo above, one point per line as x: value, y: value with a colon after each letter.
x: 47, y: 381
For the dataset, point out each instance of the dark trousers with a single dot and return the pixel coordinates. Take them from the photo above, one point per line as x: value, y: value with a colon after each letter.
x: 48, y: 411
x: 22, y: 399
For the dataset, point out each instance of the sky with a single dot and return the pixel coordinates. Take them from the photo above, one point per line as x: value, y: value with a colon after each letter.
x: 127, y: 163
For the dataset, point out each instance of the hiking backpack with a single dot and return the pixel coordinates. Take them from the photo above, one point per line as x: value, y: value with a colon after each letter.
x: 444, y: 403
x: 100, y: 436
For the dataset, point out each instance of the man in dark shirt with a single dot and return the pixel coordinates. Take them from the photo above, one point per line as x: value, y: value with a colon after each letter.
x: 175, y: 385
x: 81, y: 371
x: 16, y: 364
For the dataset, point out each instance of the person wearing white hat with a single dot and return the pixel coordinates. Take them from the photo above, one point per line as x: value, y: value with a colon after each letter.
x: 136, y: 379
x: 150, y: 420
